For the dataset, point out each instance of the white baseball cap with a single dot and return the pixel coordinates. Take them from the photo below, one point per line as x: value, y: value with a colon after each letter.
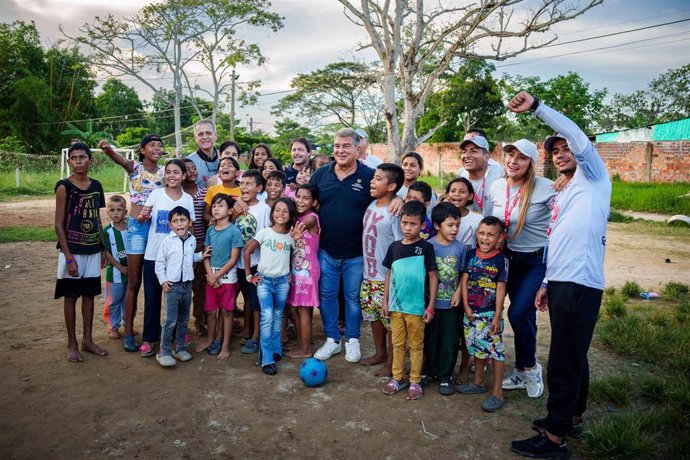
x: 525, y: 147
x: 548, y: 143
x: 479, y: 141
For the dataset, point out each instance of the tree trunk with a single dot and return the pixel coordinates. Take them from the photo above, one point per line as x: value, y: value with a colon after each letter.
x: 178, y: 115
x: 391, y: 116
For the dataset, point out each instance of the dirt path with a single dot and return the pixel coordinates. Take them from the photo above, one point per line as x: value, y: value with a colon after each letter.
x: 127, y: 406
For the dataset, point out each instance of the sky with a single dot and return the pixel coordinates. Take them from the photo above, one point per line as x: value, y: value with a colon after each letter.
x: 317, y: 33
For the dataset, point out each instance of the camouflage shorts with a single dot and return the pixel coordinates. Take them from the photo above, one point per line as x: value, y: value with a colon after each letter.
x: 371, y: 301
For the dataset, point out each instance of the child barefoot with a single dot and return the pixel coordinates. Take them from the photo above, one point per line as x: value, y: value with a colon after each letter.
x: 78, y: 200
x: 115, y: 242
x: 221, y: 275
x: 409, y: 263
x: 304, y: 288
x: 483, y: 289
x: 175, y: 272
x: 272, y: 279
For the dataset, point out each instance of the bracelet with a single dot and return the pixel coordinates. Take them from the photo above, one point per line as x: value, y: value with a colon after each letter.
x: 431, y: 311
x: 68, y: 261
x: 249, y: 278
x: 544, y: 285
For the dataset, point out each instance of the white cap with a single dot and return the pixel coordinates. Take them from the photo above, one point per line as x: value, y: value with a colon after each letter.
x: 525, y: 147
x: 362, y: 134
x: 548, y: 143
x: 479, y: 141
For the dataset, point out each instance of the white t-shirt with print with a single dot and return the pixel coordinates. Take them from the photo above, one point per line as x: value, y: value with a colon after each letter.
x: 160, y: 226
x: 275, y: 252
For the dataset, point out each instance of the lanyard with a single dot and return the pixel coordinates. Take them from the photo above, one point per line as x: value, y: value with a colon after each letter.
x: 480, y: 201
x: 509, y: 209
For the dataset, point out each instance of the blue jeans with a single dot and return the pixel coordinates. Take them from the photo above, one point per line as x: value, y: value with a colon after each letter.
x: 351, y: 271
x: 176, y: 317
x: 272, y: 292
x: 527, y: 270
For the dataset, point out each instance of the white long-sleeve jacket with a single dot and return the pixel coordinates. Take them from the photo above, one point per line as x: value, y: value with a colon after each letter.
x: 176, y: 258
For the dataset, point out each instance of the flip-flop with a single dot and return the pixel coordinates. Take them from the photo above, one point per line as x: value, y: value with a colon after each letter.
x: 214, y: 348
x: 393, y: 387
x: 415, y: 392
x: 146, y: 350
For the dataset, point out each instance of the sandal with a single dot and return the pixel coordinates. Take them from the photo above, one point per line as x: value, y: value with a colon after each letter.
x: 243, y: 340
x: 415, y: 392
x: 146, y: 350
x: 393, y: 386
x: 214, y: 348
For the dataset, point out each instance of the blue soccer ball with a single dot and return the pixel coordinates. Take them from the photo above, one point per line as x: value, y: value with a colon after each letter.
x: 313, y: 372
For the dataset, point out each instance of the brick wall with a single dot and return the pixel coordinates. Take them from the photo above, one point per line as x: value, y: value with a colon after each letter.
x: 669, y: 160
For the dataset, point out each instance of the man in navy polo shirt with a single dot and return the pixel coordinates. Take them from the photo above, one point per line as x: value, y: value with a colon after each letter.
x: 344, y: 194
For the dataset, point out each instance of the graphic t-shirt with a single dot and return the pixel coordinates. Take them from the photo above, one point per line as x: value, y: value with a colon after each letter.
x: 223, y: 241
x: 160, y: 226
x: 142, y: 183
x: 410, y: 264
x: 483, y: 275
x: 82, y: 213
x: 115, y: 243
x: 449, y: 259
x: 257, y: 218
x: 468, y: 229
x: 381, y: 228
x: 275, y: 252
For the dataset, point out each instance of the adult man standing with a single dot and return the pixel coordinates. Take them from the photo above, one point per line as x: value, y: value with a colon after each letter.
x: 480, y: 169
x: 574, y: 281
x: 206, y: 156
x: 344, y: 194
x: 363, y: 155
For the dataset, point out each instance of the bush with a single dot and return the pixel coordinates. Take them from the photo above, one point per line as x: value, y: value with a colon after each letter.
x: 676, y: 291
x: 631, y: 290
x: 614, y: 306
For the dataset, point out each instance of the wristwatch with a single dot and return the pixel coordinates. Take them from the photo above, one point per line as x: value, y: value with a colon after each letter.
x: 535, y: 104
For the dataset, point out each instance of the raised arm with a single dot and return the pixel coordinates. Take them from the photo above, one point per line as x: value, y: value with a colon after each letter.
x: 128, y: 165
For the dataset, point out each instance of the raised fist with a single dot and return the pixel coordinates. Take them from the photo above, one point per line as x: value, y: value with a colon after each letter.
x: 521, y: 102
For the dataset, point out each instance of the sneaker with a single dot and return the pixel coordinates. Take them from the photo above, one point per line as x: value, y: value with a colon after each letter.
x: 533, y: 382
x: 471, y: 389
x: 214, y: 348
x: 540, y: 446
x: 269, y: 369
x: 352, y: 351
x: 446, y: 387
x: 166, y: 360
x: 251, y: 347
x: 328, y: 349
x: 514, y: 380
x: 182, y: 355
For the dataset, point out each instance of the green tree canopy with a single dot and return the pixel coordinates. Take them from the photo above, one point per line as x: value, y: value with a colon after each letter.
x: 119, y: 107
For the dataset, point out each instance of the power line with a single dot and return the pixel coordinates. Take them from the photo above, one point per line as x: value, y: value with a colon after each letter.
x: 613, y: 34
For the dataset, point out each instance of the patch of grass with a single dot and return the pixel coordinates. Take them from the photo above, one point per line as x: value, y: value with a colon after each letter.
x: 614, y: 306
x: 17, y: 234
x: 616, y: 388
x: 615, y: 216
x: 654, y: 387
x: 631, y: 289
x: 609, y: 291
x: 651, y: 197
x: 676, y: 291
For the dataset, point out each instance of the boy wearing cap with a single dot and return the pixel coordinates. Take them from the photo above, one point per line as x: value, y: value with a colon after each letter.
x: 480, y: 170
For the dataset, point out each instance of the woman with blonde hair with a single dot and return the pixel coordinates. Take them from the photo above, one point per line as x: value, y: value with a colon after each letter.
x: 523, y: 202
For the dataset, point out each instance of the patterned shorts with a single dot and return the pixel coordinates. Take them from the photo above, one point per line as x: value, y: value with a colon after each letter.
x: 371, y: 301
x: 481, y: 343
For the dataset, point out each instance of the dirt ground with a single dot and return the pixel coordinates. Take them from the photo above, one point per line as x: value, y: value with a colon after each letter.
x: 127, y: 406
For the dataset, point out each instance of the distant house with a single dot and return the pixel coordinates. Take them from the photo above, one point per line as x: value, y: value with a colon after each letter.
x: 678, y: 130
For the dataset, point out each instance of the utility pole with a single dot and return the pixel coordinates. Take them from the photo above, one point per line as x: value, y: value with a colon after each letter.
x: 232, y: 104
x: 251, y: 126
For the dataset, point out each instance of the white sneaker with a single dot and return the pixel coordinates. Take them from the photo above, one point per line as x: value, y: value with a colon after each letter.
x: 352, y: 351
x: 328, y: 349
x: 514, y: 380
x: 166, y: 360
x: 533, y: 382
x: 182, y: 355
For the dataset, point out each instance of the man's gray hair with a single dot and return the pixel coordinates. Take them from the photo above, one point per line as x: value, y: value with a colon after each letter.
x: 204, y: 121
x: 349, y: 132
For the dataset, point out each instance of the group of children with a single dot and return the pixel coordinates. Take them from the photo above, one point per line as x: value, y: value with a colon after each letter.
x: 434, y: 275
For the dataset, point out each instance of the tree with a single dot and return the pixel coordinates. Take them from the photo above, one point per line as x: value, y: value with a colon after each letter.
x: 416, y: 45
x: 89, y: 135
x: 569, y: 94
x: 665, y: 99
x: 170, y: 36
x: 471, y: 97
x: 286, y: 131
x: 118, y: 106
x: 338, y: 91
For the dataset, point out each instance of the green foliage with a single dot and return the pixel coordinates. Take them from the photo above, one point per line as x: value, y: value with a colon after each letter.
x: 88, y: 136
x: 12, y: 144
x: 614, y: 306
x: 119, y: 104
x: 286, y: 131
x: 569, y: 94
x: 471, y: 97
x: 665, y: 99
x: 675, y: 291
x: 17, y: 234
x: 651, y: 197
x: 631, y: 289
x: 132, y: 136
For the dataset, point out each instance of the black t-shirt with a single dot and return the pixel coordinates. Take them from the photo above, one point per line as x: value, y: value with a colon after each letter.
x: 342, y: 207
x: 82, y: 212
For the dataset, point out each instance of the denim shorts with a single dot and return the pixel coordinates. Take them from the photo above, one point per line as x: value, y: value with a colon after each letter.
x: 137, y: 235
